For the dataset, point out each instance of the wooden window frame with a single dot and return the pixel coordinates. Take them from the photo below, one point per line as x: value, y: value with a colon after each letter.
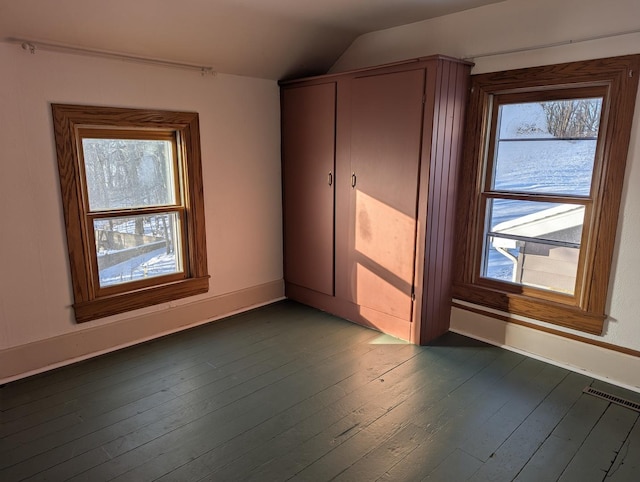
x: 617, y: 77
x: 90, y: 301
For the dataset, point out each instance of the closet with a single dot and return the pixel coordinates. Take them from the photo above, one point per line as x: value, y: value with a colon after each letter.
x: 369, y: 163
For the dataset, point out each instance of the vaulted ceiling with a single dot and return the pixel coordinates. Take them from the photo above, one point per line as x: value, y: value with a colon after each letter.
x: 260, y: 38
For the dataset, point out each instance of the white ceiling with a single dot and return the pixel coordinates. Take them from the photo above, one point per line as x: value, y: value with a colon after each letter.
x: 260, y: 38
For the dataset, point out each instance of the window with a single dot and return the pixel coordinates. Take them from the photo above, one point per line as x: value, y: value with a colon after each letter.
x: 132, y: 195
x: 545, y: 152
x: 538, y: 186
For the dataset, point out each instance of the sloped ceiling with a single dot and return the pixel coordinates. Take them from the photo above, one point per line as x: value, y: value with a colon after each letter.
x: 271, y: 39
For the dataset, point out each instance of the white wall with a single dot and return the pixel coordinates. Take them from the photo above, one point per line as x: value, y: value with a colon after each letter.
x: 240, y: 139
x: 517, y: 24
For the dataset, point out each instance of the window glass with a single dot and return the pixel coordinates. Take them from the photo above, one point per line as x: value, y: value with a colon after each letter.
x: 547, y: 147
x: 533, y: 243
x: 137, y: 247
x: 542, y: 148
x: 128, y: 173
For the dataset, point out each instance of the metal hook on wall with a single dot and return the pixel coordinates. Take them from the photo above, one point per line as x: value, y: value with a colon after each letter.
x: 28, y: 46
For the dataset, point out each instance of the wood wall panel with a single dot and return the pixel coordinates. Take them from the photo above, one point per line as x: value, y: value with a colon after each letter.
x: 446, y: 141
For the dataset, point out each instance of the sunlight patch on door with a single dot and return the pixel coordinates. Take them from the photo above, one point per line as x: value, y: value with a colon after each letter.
x: 385, y: 243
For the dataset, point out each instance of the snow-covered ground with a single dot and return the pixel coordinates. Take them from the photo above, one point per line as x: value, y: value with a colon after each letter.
x: 146, y: 265
x: 154, y: 263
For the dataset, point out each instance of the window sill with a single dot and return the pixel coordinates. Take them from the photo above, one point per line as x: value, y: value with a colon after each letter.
x: 133, y: 300
x: 537, y: 309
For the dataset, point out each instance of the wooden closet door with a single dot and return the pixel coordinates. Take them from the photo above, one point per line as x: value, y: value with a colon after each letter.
x: 386, y: 127
x: 308, y: 152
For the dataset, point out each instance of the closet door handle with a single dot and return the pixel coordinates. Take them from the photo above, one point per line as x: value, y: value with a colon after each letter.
x: 353, y: 180
x: 330, y: 179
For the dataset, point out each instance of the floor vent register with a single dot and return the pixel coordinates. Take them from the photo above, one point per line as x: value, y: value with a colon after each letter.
x: 613, y: 399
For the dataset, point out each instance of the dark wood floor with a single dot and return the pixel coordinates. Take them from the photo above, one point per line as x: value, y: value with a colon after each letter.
x: 287, y: 392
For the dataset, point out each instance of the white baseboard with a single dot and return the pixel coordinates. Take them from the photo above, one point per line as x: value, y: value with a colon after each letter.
x: 593, y: 361
x: 31, y: 358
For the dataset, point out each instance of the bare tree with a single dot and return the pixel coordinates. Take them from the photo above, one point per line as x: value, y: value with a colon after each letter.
x: 573, y: 118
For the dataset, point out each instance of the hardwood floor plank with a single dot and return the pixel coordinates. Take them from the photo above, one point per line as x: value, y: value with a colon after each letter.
x: 435, y: 421
x: 523, y: 401
x: 203, y: 402
x: 270, y: 401
x: 398, y: 384
x: 65, y: 378
x: 157, y: 354
x: 387, y: 455
x: 335, y: 450
x: 559, y: 448
x: 286, y: 431
x: 450, y: 424
x: 293, y: 386
x: 190, y: 473
x: 101, y: 414
x: 62, y: 402
x: 286, y: 392
x: 303, y: 418
x: 516, y: 450
x: 223, y: 370
x: 457, y: 466
x: 598, y: 452
x: 626, y: 466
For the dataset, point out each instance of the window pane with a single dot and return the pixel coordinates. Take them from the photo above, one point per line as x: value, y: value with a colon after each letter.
x: 547, y: 147
x: 550, y: 166
x: 128, y: 173
x: 573, y: 118
x: 137, y: 247
x: 533, y: 243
